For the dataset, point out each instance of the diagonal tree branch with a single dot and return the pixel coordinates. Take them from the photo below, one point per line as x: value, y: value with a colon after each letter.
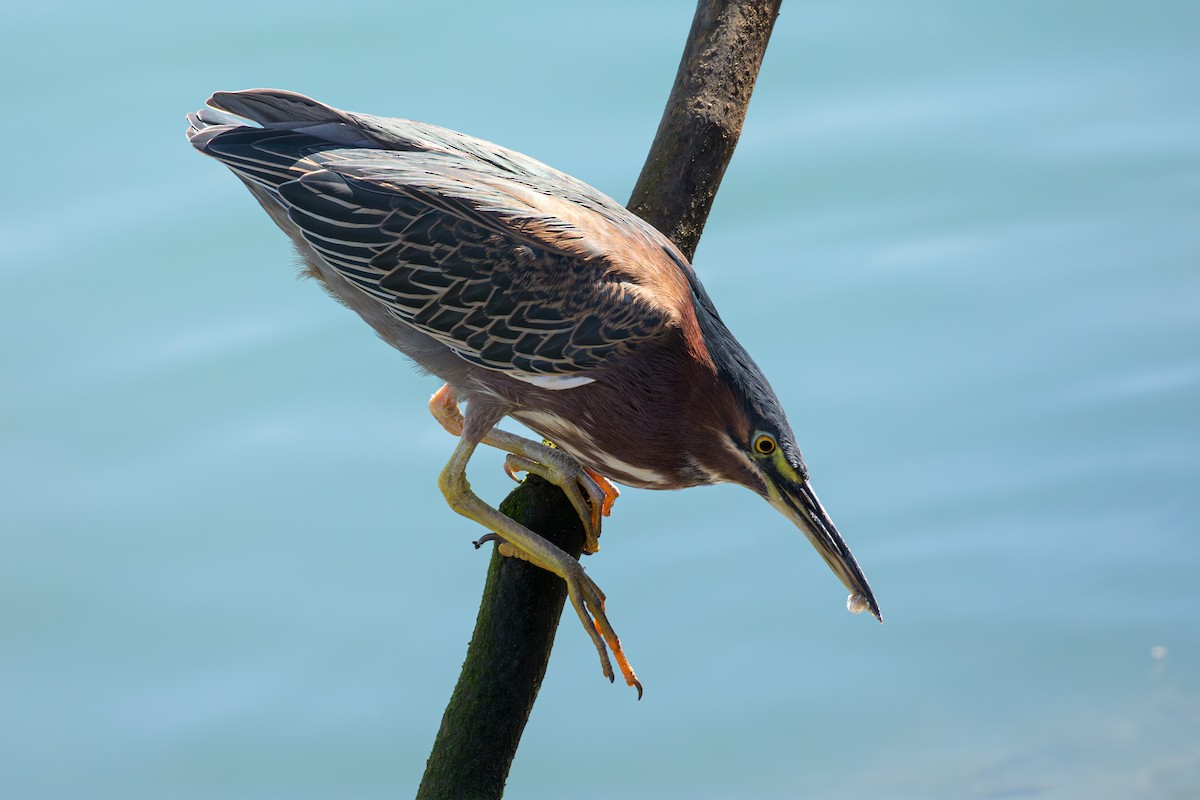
x: 703, y: 118
x: 519, y: 613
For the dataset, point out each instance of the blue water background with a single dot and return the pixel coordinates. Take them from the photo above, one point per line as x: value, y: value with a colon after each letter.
x: 963, y: 240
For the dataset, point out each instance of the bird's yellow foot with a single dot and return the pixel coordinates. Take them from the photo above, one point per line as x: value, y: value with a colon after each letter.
x: 588, y: 601
x: 586, y: 596
x: 590, y: 494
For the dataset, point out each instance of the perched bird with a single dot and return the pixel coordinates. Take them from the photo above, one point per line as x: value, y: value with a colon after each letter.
x: 533, y: 296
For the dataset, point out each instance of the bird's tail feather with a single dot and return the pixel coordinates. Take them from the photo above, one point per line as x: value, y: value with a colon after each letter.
x: 274, y: 109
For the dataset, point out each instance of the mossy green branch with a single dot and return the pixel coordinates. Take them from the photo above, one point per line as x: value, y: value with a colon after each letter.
x: 507, y: 657
x: 703, y: 119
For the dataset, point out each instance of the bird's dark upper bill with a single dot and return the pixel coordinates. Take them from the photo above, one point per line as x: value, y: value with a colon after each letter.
x: 802, y: 505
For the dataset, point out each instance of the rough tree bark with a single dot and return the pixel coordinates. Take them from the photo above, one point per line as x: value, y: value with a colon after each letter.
x: 519, y: 613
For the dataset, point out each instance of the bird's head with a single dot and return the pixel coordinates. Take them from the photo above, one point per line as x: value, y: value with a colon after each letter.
x: 754, y: 444
x: 769, y: 463
x: 756, y: 448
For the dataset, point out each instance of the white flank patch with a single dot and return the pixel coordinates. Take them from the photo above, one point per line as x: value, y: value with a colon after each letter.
x: 618, y: 470
x: 554, y: 382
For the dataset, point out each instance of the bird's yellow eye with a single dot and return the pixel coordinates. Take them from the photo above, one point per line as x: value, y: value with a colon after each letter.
x: 764, y: 445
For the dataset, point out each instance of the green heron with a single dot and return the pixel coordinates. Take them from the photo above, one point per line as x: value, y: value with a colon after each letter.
x: 533, y: 296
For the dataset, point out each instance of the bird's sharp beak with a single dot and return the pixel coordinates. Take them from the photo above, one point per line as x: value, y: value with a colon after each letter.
x: 798, y: 502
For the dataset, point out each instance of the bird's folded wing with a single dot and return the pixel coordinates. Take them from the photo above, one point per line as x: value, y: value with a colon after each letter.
x: 508, y: 277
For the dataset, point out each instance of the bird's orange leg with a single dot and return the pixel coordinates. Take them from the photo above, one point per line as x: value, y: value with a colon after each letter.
x: 591, y: 495
x: 444, y: 407
x: 611, y: 492
x: 586, y: 597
